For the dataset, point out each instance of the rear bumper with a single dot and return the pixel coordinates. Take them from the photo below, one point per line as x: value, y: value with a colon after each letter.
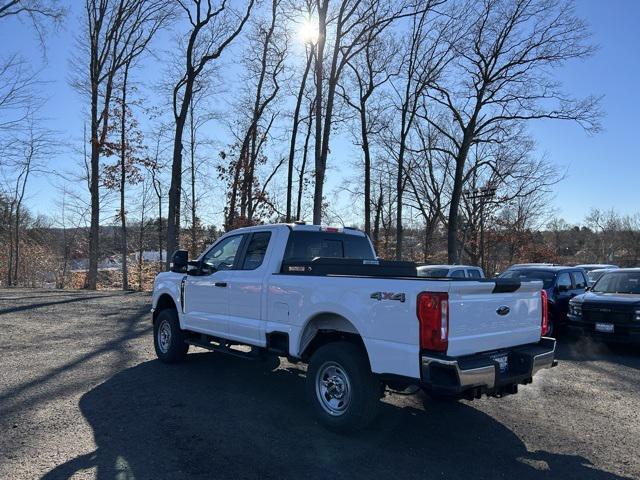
x: 476, y: 375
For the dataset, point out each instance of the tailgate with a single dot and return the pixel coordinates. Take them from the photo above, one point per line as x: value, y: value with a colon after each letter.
x: 484, y: 318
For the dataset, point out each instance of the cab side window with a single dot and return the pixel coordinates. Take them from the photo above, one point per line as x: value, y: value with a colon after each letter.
x: 578, y: 280
x: 457, y: 274
x: 256, y: 250
x: 564, y: 282
x: 473, y: 273
x: 223, y: 255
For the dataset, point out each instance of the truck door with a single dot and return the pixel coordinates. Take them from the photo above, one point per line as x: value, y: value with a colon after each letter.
x: 206, y: 295
x: 246, y: 291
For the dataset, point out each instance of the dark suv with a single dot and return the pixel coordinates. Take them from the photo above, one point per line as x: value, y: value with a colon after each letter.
x: 560, y: 283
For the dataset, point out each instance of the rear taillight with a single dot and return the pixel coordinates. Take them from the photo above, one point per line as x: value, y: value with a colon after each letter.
x: 433, y: 315
x: 544, y: 305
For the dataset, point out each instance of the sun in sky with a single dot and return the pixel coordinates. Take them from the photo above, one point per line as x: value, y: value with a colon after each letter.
x: 308, y: 31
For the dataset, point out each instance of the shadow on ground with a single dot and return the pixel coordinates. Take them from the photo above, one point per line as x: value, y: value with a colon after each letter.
x: 222, y: 417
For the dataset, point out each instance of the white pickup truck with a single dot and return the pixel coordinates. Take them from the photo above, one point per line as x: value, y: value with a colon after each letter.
x: 319, y: 295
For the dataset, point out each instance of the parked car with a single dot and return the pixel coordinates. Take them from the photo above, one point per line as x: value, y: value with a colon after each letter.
x: 450, y: 271
x: 519, y: 265
x: 321, y: 296
x: 587, y: 267
x: 561, y: 283
x: 611, y: 309
x: 594, y: 275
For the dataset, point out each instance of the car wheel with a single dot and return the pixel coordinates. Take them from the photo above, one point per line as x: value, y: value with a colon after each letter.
x: 343, y: 392
x: 168, y: 338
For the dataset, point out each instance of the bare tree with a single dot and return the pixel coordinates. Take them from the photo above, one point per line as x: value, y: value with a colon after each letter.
x: 294, y: 132
x: 117, y: 33
x: 425, y: 56
x: 213, y: 29
x: 369, y: 71
x: 503, y: 75
x: 266, y: 66
x: 40, y: 13
x: 354, y: 24
x: 28, y: 154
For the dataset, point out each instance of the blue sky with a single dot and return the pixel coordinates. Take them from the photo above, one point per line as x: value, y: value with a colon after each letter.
x: 602, y: 170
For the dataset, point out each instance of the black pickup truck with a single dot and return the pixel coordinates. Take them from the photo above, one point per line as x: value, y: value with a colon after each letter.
x: 610, y: 311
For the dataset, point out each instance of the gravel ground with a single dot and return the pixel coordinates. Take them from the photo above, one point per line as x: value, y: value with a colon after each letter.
x: 82, y: 396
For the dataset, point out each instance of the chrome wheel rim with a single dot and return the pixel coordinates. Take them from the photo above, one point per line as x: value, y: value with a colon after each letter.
x: 164, y: 336
x: 333, y: 389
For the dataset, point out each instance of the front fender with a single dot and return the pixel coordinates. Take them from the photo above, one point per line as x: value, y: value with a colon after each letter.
x: 167, y: 283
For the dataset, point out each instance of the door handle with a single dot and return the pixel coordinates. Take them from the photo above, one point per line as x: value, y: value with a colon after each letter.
x: 220, y: 284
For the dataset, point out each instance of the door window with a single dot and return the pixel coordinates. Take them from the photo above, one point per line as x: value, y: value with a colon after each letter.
x: 579, y: 281
x: 473, y: 273
x: 564, y: 282
x: 256, y: 250
x: 223, y: 255
x: 457, y: 274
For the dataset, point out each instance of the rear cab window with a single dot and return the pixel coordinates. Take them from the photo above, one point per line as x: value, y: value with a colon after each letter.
x: 305, y: 245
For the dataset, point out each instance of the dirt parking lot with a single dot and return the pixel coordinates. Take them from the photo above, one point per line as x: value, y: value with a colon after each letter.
x: 82, y: 396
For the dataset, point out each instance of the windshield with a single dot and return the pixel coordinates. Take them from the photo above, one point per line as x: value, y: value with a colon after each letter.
x: 529, y: 275
x: 595, y: 275
x: 433, y: 272
x: 619, y: 282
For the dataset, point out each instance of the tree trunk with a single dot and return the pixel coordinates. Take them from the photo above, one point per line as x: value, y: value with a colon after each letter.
x: 319, y: 71
x: 453, y: 256
x: 192, y: 151
x: 123, y: 179
x: 376, y: 223
x: 173, y: 216
x: 303, y: 167
x: 16, y: 255
x: 294, y: 135
x: 94, y: 191
x: 367, y: 166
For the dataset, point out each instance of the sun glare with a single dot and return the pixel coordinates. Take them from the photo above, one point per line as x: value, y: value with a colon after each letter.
x: 308, y: 31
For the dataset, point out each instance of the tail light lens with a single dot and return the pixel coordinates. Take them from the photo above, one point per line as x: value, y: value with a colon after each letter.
x: 545, y: 312
x: 433, y: 315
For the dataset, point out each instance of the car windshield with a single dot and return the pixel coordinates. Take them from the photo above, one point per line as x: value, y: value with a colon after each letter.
x: 595, y: 275
x: 528, y: 275
x: 619, y: 282
x: 433, y: 272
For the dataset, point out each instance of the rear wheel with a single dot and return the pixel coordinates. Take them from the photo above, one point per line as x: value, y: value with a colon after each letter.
x: 168, y: 338
x: 343, y: 392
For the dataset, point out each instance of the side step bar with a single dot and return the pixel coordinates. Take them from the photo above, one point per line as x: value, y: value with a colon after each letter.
x: 217, y: 346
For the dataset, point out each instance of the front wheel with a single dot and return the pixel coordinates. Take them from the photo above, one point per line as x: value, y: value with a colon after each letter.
x: 343, y: 392
x: 168, y: 338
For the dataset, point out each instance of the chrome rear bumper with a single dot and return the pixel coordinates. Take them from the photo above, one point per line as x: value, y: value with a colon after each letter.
x: 481, y: 373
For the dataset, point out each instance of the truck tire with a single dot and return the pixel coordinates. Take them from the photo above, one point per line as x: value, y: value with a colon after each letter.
x: 343, y: 392
x: 168, y: 338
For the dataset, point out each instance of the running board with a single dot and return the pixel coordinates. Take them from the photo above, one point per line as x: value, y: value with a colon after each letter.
x: 254, y: 354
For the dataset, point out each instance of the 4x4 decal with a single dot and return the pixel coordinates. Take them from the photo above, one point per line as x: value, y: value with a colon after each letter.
x: 400, y: 297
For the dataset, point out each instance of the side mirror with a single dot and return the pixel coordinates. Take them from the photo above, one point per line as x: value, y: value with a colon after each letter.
x: 180, y: 261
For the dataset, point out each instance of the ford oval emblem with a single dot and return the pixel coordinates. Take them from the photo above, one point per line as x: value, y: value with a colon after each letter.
x: 503, y: 310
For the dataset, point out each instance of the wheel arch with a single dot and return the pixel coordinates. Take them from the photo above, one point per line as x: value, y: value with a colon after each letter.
x: 326, y: 327
x: 165, y: 301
